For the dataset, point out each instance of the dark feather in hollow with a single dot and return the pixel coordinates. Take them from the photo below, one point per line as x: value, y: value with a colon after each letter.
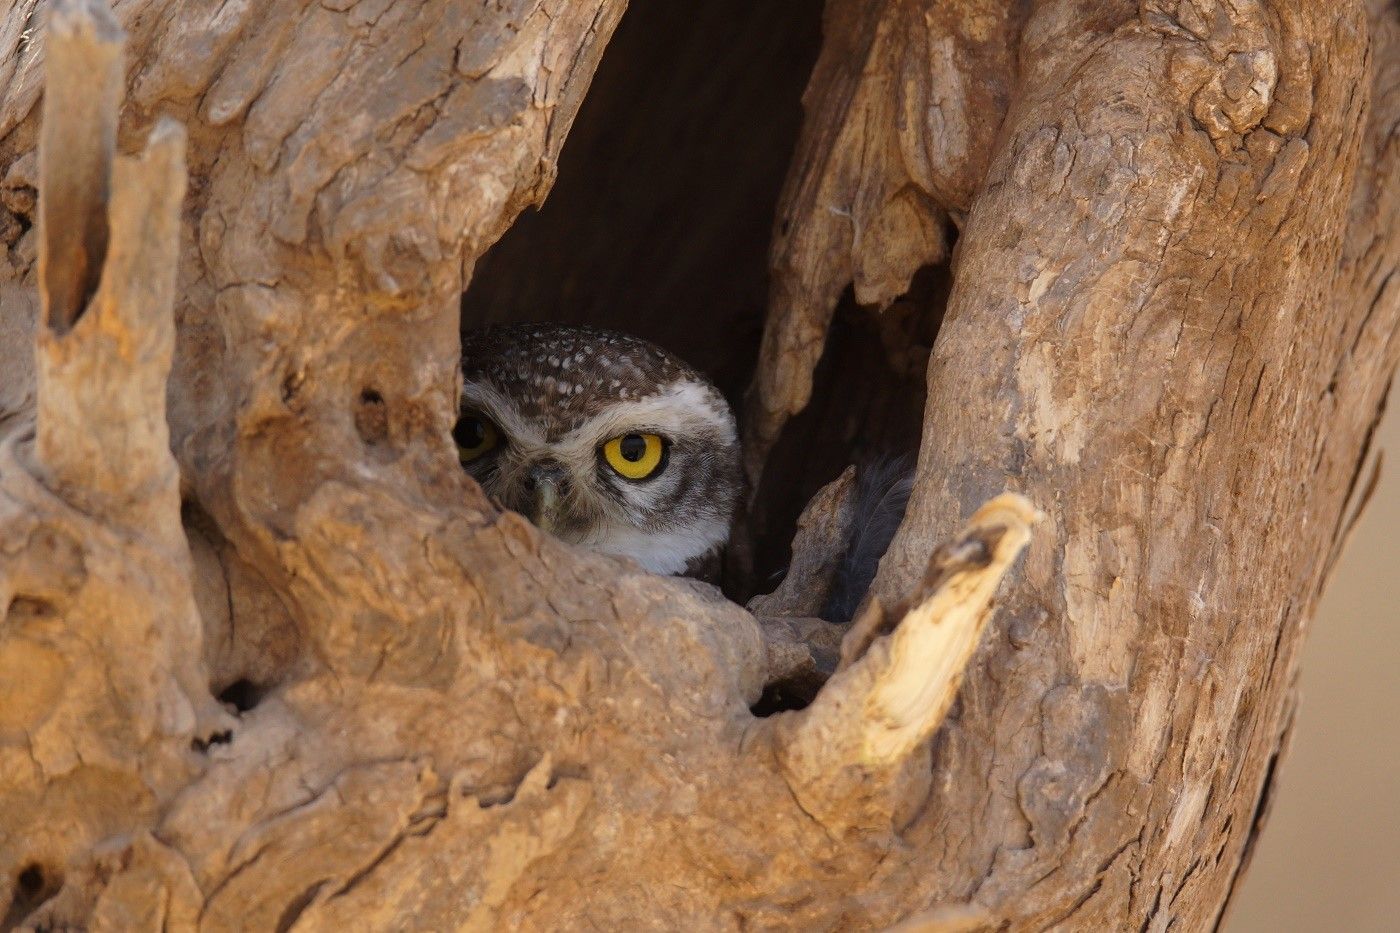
x: 881, y: 497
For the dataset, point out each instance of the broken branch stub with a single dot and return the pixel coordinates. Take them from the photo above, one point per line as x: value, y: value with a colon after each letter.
x: 83, y: 84
x: 101, y: 689
x: 888, y: 700
x: 102, y: 433
x: 108, y: 245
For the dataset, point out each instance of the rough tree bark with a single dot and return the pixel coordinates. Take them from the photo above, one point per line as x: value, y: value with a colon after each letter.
x: 225, y: 471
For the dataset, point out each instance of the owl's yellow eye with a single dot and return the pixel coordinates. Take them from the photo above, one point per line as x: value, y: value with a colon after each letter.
x: 636, y: 456
x: 475, y: 437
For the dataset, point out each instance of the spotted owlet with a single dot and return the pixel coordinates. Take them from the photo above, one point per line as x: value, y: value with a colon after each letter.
x: 604, y: 440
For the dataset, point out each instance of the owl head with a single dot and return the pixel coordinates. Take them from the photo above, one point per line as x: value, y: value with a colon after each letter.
x: 602, y: 439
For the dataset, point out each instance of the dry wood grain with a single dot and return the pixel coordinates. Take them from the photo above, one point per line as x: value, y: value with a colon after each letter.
x: 902, y: 110
x: 1176, y: 348
x: 1173, y: 316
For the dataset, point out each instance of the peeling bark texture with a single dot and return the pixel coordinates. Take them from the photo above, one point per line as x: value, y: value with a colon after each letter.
x: 903, y: 107
x: 270, y: 660
x: 1173, y: 323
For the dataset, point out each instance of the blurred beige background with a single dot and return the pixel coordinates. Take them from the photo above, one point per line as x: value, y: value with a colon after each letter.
x: 1329, y: 858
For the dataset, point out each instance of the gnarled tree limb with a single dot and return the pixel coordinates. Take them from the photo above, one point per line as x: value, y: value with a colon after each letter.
x: 102, y: 692
x: 79, y: 135
x: 902, y: 110
x: 447, y: 717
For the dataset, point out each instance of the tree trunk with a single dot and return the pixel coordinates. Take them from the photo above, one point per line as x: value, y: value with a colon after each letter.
x: 231, y: 277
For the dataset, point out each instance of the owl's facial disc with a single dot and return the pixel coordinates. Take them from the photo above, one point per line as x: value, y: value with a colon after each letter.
x: 652, y: 478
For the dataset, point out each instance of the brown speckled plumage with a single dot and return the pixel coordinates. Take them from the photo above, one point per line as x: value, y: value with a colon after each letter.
x: 556, y: 395
x: 562, y: 375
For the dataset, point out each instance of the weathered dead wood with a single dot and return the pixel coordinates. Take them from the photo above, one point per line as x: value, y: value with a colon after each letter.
x: 452, y: 720
x: 902, y: 110
x: 1176, y: 340
x: 85, y: 79
x: 436, y: 712
x: 101, y: 686
x: 822, y: 531
x: 802, y: 649
x: 894, y: 691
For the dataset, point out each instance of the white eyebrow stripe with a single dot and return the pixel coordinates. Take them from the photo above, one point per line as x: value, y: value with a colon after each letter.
x: 500, y: 409
x: 682, y: 408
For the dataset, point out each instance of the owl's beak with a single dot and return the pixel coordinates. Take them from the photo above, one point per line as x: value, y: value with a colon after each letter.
x: 545, y: 502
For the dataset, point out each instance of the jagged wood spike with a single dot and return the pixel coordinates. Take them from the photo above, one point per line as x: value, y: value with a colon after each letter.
x: 929, y: 650
x: 894, y: 691
x: 109, y: 246
x: 101, y: 386
x: 84, y: 73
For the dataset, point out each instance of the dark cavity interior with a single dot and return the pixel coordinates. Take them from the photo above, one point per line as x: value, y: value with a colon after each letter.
x: 660, y: 222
